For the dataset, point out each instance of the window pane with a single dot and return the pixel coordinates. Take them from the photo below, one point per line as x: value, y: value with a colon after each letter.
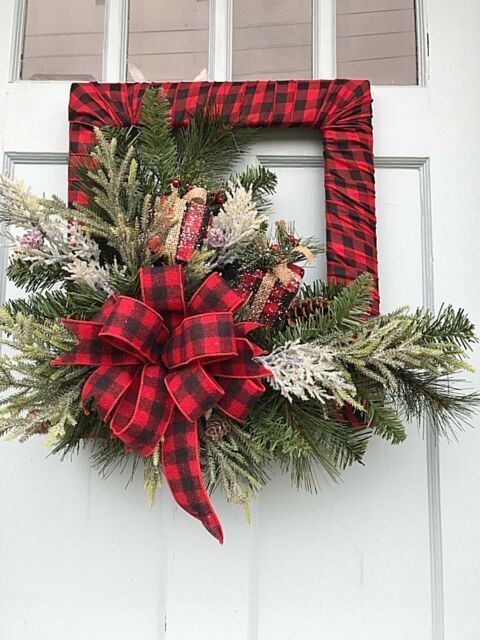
x: 168, y: 39
x: 376, y: 39
x: 271, y: 39
x: 63, y: 40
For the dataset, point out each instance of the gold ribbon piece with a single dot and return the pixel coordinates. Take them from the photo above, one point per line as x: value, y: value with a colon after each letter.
x: 262, y: 295
x: 197, y: 195
x: 173, y: 236
x: 306, y: 252
x: 285, y: 274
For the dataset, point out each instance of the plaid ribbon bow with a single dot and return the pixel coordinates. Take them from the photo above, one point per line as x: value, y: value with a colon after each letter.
x: 161, y: 364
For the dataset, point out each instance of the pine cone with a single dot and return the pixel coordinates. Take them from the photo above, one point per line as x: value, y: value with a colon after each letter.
x: 302, y: 309
x: 216, y: 428
x: 41, y: 427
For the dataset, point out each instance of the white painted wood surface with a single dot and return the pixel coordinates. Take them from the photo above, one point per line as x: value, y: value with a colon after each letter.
x: 392, y: 551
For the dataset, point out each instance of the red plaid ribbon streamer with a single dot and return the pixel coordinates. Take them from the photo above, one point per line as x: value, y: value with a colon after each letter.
x: 161, y: 364
x: 339, y: 109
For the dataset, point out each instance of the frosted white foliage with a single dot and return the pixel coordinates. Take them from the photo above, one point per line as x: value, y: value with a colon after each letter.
x: 50, y: 238
x: 308, y: 370
x: 239, y: 220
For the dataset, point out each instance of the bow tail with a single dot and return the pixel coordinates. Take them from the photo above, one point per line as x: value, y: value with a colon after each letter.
x: 181, y: 466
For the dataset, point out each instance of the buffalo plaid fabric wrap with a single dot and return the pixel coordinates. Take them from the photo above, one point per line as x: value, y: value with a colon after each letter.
x: 339, y: 109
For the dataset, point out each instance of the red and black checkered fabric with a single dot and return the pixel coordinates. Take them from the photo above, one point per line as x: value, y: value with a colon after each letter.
x: 193, y: 390
x: 181, y: 464
x: 162, y: 290
x: 214, y: 293
x: 135, y: 327
x: 240, y: 396
x: 105, y: 386
x: 207, y: 336
x: 242, y: 367
x: 339, y: 109
x: 143, y: 414
x: 91, y: 350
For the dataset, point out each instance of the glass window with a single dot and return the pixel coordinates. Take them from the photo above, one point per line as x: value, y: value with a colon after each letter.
x: 168, y: 40
x: 63, y: 40
x: 376, y: 39
x: 272, y: 40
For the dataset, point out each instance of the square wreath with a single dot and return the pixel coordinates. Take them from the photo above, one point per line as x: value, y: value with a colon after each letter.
x: 339, y: 109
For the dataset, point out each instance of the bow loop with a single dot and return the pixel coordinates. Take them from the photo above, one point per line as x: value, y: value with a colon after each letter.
x: 144, y: 412
x: 105, y: 386
x: 91, y: 350
x: 134, y: 327
x: 193, y: 390
x: 162, y: 290
x: 240, y: 396
x: 214, y: 293
x: 244, y: 365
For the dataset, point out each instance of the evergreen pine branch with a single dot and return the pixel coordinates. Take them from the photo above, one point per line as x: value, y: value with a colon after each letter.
x: 40, y: 305
x: 321, y: 289
x: 303, y: 436
x: 108, y: 455
x: 156, y: 147
x: 349, y: 306
x: 347, y: 310
x: 208, y: 148
x: 385, y: 422
x: 441, y: 403
x: 79, y: 301
x: 381, y: 417
x: 117, y: 192
x: 448, y: 324
x: 83, y: 301
x: 33, y: 276
x: 236, y: 464
x: 260, y: 180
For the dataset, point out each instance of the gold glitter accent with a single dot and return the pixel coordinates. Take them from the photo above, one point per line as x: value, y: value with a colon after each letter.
x: 285, y: 274
x: 262, y: 295
x: 197, y: 195
x: 173, y: 237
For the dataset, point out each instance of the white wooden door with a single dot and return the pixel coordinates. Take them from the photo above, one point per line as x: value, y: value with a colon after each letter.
x: 392, y: 551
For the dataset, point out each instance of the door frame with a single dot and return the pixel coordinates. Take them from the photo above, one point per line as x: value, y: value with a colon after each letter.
x: 220, y: 69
